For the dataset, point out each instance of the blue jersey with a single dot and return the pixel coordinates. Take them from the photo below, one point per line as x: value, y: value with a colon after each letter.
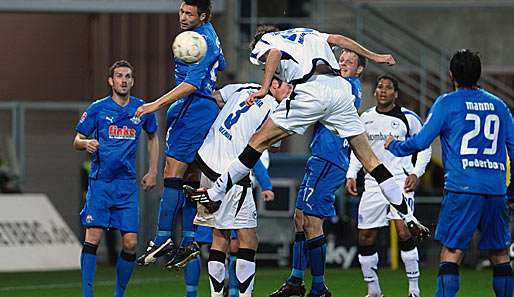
x: 328, y: 146
x: 202, y: 75
x: 118, y: 132
x: 476, y: 130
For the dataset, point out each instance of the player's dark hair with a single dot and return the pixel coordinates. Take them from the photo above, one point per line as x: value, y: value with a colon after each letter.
x: 361, y: 59
x: 118, y: 64
x: 465, y: 67
x: 388, y: 77
x: 203, y: 6
x: 260, y: 31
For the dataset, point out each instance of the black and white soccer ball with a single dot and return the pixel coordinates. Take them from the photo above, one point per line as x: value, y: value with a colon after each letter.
x: 189, y: 47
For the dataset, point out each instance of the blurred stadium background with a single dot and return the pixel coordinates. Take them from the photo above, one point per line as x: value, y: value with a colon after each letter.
x: 54, y: 59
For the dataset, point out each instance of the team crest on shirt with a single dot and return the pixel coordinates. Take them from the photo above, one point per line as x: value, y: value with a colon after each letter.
x: 83, y: 117
x: 89, y: 219
x: 395, y: 124
x: 135, y: 120
x: 124, y: 132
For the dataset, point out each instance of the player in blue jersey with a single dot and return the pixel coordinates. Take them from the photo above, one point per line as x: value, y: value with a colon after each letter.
x: 195, y: 111
x: 477, y: 131
x: 325, y: 172
x: 110, y: 133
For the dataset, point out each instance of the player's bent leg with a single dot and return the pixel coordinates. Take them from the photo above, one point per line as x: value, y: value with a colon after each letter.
x: 125, y: 263
x: 502, y: 272
x: 267, y: 135
x: 368, y: 259
x: 316, y: 246
x: 410, y: 257
x: 448, y: 280
x: 88, y: 259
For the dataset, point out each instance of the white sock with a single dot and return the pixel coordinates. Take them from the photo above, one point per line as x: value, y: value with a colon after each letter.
x: 411, y: 261
x: 392, y: 191
x: 369, y: 267
x: 216, y: 277
x: 235, y: 172
x: 245, y: 273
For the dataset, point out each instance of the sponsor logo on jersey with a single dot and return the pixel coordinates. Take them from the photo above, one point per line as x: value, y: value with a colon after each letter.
x: 124, y: 132
x: 395, y: 124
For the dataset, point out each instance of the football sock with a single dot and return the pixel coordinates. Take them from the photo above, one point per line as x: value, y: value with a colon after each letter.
x: 237, y: 170
x: 390, y: 189
x: 172, y: 200
x: 188, y: 216
x: 88, y: 268
x: 299, y: 260
x: 233, y: 289
x: 245, y: 271
x: 447, y: 280
x: 192, y: 276
x: 502, y: 280
x: 368, y: 258
x: 410, y: 257
x: 317, y: 252
x: 216, y: 269
x: 124, y: 268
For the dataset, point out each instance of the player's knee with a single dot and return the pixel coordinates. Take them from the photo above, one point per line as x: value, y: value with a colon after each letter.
x: 367, y: 237
x: 298, y: 220
x: 130, y: 245
x: 407, y: 244
x: 312, y: 226
x: 404, y: 234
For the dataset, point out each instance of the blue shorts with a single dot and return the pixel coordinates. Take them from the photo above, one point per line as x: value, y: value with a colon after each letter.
x: 461, y: 214
x: 203, y: 234
x: 189, y: 122
x: 111, y: 205
x: 316, y: 196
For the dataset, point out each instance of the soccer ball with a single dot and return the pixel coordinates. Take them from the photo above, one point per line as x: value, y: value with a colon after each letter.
x: 189, y: 47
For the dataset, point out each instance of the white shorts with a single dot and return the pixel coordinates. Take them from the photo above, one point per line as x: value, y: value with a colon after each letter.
x: 375, y: 210
x: 236, y: 211
x: 324, y: 98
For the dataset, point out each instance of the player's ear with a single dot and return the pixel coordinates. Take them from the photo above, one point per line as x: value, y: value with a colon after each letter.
x: 203, y: 16
x: 359, y: 70
x: 110, y: 81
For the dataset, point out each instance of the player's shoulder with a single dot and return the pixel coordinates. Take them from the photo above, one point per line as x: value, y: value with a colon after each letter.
x: 369, y: 112
x: 494, y: 99
x: 207, y: 31
x: 409, y: 114
x: 136, y: 101
x: 98, y: 104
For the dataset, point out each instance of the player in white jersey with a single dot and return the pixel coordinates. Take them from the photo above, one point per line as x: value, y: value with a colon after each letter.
x: 226, y: 139
x: 303, y: 57
x: 387, y: 118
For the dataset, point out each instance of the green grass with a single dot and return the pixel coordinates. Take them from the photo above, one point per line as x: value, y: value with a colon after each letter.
x: 152, y: 281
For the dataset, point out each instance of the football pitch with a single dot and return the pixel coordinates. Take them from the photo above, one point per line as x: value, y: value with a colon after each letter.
x: 155, y: 282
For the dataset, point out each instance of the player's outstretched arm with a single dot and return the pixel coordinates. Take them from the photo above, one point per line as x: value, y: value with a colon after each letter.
x: 150, y: 179
x: 348, y: 43
x: 182, y: 90
x: 81, y: 142
x: 272, y: 57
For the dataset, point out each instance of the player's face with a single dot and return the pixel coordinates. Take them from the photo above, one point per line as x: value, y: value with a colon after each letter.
x: 189, y: 17
x: 122, y: 81
x: 385, y: 93
x: 349, y: 64
x: 280, y: 90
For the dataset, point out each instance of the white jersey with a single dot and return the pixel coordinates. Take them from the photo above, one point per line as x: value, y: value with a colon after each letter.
x: 302, y: 49
x: 235, y: 124
x: 401, y: 123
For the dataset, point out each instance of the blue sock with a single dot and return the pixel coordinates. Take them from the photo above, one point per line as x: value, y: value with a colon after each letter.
x: 124, y: 268
x: 299, y: 259
x: 188, y: 216
x: 502, y: 280
x: 233, y: 288
x: 317, y: 250
x: 192, y: 276
x: 172, y: 200
x: 88, y: 268
x: 447, y: 280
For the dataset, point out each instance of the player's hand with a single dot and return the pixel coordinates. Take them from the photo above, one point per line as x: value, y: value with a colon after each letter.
x: 388, y: 141
x: 149, y: 181
x: 92, y: 146
x: 254, y: 96
x: 351, y: 186
x: 146, y: 108
x: 411, y: 182
x: 267, y: 195
x: 385, y: 59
